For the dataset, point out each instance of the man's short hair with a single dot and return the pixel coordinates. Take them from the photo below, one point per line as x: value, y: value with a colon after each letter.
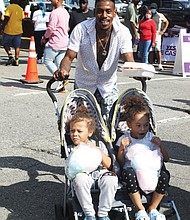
x: 103, y: 0
x: 83, y: 1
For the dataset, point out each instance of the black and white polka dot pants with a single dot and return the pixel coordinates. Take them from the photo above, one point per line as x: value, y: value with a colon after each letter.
x: 129, y: 177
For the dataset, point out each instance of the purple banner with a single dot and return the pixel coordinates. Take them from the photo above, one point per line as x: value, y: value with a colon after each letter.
x: 186, y: 38
x: 187, y: 67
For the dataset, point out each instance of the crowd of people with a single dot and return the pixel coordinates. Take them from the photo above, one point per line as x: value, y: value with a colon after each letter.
x: 146, y: 37
x: 146, y: 47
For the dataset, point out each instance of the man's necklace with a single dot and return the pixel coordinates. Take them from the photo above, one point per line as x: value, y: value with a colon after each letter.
x: 104, y: 52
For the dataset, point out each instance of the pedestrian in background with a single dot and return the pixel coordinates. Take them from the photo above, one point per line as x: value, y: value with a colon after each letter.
x: 161, y: 27
x: 98, y: 44
x: 131, y: 20
x: 2, y: 7
x: 81, y: 14
x: 2, y: 12
x: 147, y: 30
x: 58, y: 37
x: 12, y: 28
x: 40, y: 20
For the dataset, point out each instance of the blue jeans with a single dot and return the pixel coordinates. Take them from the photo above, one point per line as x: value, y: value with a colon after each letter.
x: 144, y: 48
x: 53, y: 58
x: 107, y: 102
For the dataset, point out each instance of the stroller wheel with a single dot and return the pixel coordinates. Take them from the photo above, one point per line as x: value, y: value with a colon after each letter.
x: 59, y: 212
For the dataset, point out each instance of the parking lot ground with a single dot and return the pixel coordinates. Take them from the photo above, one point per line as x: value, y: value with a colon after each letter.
x: 31, y: 170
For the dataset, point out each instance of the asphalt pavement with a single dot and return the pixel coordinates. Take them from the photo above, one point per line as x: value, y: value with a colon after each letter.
x: 31, y: 170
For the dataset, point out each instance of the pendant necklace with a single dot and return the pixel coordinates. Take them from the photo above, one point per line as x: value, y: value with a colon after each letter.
x: 104, y: 52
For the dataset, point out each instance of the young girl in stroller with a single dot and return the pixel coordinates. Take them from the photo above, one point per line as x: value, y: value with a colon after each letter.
x: 82, y: 127
x: 141, y: 155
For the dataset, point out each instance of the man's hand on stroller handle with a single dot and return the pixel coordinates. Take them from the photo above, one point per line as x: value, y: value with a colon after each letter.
x: 60, y: 75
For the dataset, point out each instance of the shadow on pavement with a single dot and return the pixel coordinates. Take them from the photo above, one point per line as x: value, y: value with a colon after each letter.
x: 17, y: 83
x: 33, y: 86
x: 35, y: 199
x: 32, y: 199
x: 186, y: 110
x: 179, y: 154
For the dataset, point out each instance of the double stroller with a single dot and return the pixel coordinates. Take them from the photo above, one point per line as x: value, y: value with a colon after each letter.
x: 122, y: 207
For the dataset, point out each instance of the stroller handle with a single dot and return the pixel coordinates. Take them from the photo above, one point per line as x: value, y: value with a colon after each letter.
x: 48, y: 88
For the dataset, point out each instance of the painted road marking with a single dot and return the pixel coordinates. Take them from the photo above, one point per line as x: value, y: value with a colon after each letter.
x: 29, y: 93
x: 158, y: 79
x: 163, y: 121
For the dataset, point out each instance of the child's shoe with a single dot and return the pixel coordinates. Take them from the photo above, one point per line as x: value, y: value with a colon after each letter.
x: 104, y: 218
x: 141, y: 215
x: 90, y: 218
x: 155, y: 215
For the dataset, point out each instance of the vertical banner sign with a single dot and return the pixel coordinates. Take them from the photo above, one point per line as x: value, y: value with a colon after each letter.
x: 182, y: 61
x: 169, y: 46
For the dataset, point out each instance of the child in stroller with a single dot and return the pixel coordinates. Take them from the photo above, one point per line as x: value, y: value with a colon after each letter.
x: 82, y: 127
x: 141, y: 155
x: 70, y: 209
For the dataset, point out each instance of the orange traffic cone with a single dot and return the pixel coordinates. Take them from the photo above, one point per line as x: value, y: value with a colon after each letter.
x: 31, y: 71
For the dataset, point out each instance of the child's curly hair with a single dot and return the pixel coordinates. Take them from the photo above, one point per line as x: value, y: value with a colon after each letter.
x: 82, y: 114
x: 134, y: 104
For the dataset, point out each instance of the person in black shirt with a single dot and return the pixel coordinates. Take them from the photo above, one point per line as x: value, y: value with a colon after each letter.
x: 80, y: 14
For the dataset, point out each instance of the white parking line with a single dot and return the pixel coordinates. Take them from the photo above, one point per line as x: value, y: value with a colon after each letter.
x: 163, y: 121
x: 29, y: 93
x: 158, y: 79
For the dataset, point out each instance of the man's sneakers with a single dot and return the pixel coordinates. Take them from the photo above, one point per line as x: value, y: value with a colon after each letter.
x: 154, y: 214
x: 15, y: 63
x: 60, y: 87
x: 160, y: 67
x: 10, y: 61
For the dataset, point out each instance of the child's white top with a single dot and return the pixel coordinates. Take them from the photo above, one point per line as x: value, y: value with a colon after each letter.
x: 146, y: 141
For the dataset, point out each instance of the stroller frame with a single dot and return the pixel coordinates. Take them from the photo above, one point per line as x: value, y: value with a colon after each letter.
x: 70, y: 209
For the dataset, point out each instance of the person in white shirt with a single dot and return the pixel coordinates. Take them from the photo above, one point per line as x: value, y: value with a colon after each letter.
x: 40, y: 19
x: 2, y: 7
x: 98, y: 43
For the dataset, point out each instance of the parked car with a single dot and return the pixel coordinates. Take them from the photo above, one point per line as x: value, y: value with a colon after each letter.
x: 175, y: 11
x: 121, y: 7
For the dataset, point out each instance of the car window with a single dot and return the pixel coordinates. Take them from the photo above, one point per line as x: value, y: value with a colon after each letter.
x: 177, y: 5
x: 49, y: 7
x: 166, y: 4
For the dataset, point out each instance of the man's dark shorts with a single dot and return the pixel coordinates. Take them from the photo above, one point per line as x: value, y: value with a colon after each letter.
x: 11, y: 40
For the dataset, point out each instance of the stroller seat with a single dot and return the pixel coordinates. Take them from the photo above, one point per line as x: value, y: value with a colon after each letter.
x: 122, y: 207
